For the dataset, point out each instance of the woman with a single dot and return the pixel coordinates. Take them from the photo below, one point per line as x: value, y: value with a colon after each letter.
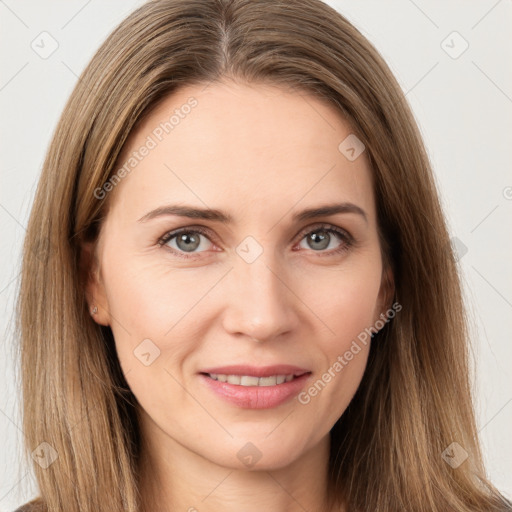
x: 250, y: 295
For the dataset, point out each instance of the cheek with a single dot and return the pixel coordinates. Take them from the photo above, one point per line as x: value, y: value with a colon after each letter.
x: 345, y: 355
x: 155, y: 323
x: 346, y: 303
x: 152, y: 301
x: 345, y: 300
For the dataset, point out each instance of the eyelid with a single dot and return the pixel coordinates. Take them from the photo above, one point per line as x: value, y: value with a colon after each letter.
x: 323, y: 225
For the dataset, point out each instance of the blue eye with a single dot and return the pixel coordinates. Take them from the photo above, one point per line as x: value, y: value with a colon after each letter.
x: 188, y: 240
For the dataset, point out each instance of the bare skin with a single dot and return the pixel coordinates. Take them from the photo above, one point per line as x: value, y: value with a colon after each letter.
x: 261, y: 154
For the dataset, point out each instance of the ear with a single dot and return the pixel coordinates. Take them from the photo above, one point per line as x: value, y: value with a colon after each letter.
x: 386, y: 293
x: 93, y: 284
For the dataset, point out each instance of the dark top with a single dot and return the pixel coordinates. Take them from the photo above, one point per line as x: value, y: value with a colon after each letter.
x: 32, y: 506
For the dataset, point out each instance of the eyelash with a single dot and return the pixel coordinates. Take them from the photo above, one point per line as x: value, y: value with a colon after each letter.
x: 346, y: 238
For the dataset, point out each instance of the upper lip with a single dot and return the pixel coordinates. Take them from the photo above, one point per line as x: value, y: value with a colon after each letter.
x: 257, y: 371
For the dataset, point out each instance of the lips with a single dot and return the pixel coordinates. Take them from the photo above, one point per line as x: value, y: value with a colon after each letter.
x: 255, y: 387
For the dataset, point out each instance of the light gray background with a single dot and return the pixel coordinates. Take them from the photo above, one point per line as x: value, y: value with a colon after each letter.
x: 463, y: 106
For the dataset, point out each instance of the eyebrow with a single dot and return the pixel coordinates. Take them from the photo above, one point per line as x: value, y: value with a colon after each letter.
x: 223, y: 217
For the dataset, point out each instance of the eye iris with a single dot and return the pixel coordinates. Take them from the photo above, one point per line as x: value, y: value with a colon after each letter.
x: 185, y: 238
x: 323, y: 239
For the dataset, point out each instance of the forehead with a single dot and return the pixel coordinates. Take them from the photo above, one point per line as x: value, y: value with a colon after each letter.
x: 238, y: 146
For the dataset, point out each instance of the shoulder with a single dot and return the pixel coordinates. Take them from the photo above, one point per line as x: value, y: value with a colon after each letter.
x: 35, y: 505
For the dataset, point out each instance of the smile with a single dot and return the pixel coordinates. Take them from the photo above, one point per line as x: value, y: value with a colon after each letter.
x: 251, y: 392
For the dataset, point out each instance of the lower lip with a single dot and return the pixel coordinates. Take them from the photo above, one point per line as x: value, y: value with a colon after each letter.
x: 256, y: 397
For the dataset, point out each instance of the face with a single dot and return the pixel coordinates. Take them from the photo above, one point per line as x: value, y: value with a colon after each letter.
x: 247, y: 279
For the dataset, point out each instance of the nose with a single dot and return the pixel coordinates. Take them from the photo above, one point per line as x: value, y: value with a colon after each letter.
x: 259, y: 303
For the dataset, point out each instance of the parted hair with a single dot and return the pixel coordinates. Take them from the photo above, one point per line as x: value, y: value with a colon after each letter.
x: 414, y: 400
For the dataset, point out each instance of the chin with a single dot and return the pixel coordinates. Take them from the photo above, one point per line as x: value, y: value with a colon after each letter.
x: 260, y: 453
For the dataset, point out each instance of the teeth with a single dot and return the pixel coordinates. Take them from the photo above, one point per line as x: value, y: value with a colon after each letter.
x: 268, y: 381
x: 250, y: 380
x: 234, y: 379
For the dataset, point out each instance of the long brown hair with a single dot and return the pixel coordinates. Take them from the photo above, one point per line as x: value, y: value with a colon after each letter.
x: 414, y: 400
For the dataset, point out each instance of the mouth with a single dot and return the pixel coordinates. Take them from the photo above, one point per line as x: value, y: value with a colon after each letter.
x: 256, y: 387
